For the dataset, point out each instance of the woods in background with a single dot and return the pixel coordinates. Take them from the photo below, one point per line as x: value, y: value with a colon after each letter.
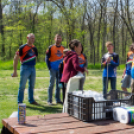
x: 93, y: 22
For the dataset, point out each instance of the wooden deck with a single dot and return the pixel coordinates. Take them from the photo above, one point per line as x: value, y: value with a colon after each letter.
x: 65, y: 124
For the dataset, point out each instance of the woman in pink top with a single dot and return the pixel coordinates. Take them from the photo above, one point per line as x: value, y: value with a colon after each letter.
x: 71, y: 63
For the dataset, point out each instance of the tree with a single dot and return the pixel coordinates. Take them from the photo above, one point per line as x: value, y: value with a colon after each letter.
x: 91, y: 20
x: 104, y: 25
x: 125, y: 6
x: 99, y: 31
x: 2, y: 31
x: 115, y: 24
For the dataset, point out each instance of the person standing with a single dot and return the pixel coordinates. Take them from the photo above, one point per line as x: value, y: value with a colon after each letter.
x: 27, y: 54
x: 62, y: 85
x: 54, y: 56
x: 126, y: 82
x: 132, y: 75
x: 71, y: 61
x: 110, y: 61
x: 82, y: 63
x: 71, y: 68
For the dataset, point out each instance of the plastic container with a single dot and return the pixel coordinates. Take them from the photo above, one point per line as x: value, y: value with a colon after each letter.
x: 21, y: 113
x: 124, y: 114
x: 87, y: 109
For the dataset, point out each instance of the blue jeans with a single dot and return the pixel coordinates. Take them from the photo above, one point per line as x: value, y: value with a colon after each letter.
x: 27, y: 72
x: 53, y: 76
x: 105, y: 84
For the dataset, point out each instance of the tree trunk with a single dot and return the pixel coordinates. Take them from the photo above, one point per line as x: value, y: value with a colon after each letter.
x: 115, y: 27
x: 91, y: 48
x: 2, y: 33
x: 98, y: 37
x: 50, y: 33
x: 104, y: 28
x: 127, y: 19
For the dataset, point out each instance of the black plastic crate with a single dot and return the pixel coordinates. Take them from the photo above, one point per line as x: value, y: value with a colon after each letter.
x: 87, y: 109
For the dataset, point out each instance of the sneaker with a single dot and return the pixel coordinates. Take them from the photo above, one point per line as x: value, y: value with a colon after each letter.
x: 60, y: 102
x: 49, y: 103
x: 34, y: 103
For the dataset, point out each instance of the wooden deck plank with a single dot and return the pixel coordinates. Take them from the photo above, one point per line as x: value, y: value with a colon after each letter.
x: 50, y: 128
x: 34, y: 121
x: 65, y: 124
x: 60, y: 121
x: 11, y: 123
x: 125, y: 131
x: 4, y: 122
x: 97, y: 130
x: 61, y: 126
x: 37, y: 117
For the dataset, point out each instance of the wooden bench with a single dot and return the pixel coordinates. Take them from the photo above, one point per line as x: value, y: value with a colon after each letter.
x: 65, y: 124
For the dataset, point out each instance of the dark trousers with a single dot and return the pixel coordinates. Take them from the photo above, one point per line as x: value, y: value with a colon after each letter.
x: 105, y: 84
x: 63, y: 90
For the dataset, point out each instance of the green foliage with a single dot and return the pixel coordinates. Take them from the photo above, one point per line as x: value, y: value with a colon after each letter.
x: 41, y: 66
x: 94, y: 67
x: 122, y: 66
x: 97, y: 66
x: 70, y: 21
x: 8, y: 65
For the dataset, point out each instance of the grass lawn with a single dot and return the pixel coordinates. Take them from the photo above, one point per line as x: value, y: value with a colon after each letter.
x: 9, y: 89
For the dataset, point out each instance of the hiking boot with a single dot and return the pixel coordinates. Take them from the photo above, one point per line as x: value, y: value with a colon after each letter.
x: 34, y: 103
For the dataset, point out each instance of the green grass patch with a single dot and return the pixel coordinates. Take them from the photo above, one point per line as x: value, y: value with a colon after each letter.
x: 9, y: 90
x: 97, y: 66
x: 8, y: 65
x: 41, y: 65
